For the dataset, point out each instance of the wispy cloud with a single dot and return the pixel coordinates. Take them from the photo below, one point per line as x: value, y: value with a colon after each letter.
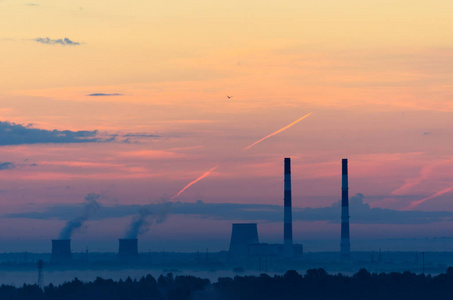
x: 141, y: 135
x: 136, y: 138
x: 152, y: 154
x: 65, y: 41
x: 31, y: 4
x: 360, y: 212
x: 104, y: 94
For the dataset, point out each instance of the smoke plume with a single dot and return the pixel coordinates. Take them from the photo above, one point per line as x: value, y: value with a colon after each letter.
x: 147, y: 217
x: 90, y: 207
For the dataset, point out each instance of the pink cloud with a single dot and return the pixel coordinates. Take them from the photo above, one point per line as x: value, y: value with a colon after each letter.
x: 151, y: 154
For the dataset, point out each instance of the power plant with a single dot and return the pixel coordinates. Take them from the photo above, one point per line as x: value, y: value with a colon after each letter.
x: 128, y: 249
x: 244, y: 243
x: 345, y: 244
x: 61, y: 251
x: 244, y: 237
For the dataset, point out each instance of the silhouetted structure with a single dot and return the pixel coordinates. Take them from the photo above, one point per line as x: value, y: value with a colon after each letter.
x: 345, y: 244
x: 288, y: 219
x: 243, y: 235
x: 244, y: 238
x: 61, y: 251
x: 128, y: 249
x: 40, y: 274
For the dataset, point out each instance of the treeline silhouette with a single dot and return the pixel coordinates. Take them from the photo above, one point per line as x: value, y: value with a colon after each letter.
x: 316, y: 284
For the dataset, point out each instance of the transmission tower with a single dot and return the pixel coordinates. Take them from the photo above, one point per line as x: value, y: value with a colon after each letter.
x: 40, y: 274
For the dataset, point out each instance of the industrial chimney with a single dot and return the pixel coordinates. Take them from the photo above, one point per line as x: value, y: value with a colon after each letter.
x: 128, y: 249
x: 345, y: 242
x: 288, y: 219
x: 61, y: 251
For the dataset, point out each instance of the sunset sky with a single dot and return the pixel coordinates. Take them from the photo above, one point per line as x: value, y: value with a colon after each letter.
x: 136, y: 92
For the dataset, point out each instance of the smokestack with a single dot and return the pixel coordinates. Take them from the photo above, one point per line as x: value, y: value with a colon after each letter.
x: 288, y: 219
x: 61, y: 251
x: 345, y: 242
x: 128, y: 249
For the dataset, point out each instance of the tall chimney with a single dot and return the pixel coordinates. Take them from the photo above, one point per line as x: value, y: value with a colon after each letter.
x: 288, y: 219
x: 345, y: 242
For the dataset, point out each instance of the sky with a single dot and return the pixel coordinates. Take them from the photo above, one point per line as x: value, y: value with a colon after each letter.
x: 128, y: 101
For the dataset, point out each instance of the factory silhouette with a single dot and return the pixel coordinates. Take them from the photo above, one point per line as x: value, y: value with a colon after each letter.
x: 244, y: 244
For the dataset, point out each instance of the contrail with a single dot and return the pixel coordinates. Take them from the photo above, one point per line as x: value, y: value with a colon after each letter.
x: 195, y: 181
x: 424, y: 173
x: 417, y: 203
x: 277, y: 132
x: 245, y: 149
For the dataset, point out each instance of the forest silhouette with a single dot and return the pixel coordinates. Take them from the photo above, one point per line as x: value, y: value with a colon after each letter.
x: 315, y: 284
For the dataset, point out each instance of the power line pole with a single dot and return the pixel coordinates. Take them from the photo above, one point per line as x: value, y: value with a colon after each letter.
x: 423, y: 259
x: 40, y: 274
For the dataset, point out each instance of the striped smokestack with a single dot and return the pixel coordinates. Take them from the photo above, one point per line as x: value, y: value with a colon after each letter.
x: 288, y: 219
x: 345, y: 242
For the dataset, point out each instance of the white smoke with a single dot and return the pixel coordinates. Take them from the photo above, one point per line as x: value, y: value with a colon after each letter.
x: 90, y: 207
x: 147, y: 217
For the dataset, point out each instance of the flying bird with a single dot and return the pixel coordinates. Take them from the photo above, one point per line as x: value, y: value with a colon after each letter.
x: 229, y: 97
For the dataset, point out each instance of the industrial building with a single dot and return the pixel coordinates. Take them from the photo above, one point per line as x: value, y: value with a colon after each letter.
x: 243, y: 235
x: 128, y: 249
x: 245, y: 243
x: 61, y: 251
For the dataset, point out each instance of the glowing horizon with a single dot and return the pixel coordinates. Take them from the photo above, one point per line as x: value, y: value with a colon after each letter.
x: 128, y: 100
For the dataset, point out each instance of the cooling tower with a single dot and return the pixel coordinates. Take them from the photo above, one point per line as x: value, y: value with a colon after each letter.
x: 345, y: 242
x: 288, y: 219
x: 61, y: 251
x: 128, y: 249
x: 243, y: 235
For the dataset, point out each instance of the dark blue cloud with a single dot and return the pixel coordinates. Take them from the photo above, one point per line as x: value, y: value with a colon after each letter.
x: 104, y: 94
x: 7, y: 165
x: 49, y: 41
x: 360, y: 213
x: 17, y: 134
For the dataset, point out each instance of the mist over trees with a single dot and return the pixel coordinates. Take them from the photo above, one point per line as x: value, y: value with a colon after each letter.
x: 314, y: 284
